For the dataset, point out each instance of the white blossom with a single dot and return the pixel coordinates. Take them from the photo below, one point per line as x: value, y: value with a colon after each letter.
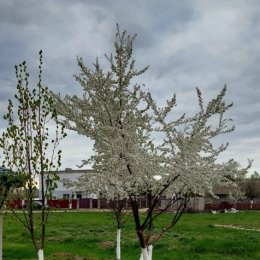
x: 129, y: 161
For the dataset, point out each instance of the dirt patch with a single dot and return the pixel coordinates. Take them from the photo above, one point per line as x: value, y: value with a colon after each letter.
x: 55, y: 239
x: 83, y: 258
x: 237, y: 227
x: 107, y: 244
x: 63, y: 254
x: 70, y: 256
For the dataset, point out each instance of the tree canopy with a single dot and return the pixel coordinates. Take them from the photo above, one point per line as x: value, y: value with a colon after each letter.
x: 140, y: 148
x: 8, y: 180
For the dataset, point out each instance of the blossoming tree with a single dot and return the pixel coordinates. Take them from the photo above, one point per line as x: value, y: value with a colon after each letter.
x: 138, y: 147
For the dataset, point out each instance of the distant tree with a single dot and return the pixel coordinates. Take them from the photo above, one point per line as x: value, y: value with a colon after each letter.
x: 252, y: 186
x: 235, y: 172
x: 124, y: 121
x: 236, y: 176
x: 30, y: 148
x: 8, y: 180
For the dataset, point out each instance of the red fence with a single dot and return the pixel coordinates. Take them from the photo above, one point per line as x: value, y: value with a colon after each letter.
x: 104, y: 204
x: 63, y: 204
x: 14, y: 204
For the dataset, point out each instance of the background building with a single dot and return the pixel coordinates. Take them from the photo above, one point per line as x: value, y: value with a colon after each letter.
x: 63, y: 192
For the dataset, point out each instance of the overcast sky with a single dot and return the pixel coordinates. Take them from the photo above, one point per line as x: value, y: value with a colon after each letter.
x: 187, y: 44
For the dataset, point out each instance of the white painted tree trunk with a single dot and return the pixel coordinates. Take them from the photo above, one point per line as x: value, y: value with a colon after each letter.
x: 118, y: 244
x: 45, y: 201
x: 144, y: 254
x: 147, y: 253
x: 141, y: 256
x: 150, y: 252
x: 40, y: 254
x: 1, y: 235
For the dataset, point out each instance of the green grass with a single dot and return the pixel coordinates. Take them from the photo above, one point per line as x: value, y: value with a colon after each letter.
x: 91, y: 236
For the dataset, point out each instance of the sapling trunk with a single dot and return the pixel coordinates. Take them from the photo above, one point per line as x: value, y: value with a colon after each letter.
x: 118, y: 244
x: 40, y: 254
x: 1, y: 235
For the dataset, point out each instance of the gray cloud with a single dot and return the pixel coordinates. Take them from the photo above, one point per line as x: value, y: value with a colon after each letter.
x: 187, y: 43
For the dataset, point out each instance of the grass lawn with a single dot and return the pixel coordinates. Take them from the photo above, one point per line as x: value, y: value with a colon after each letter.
x: 91, y: 236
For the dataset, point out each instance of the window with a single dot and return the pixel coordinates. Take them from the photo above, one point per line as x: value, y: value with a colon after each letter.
x: 66, y: 196
x: 79, y: 195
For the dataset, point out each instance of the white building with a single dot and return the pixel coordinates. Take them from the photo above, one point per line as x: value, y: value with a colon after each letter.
x: 62, y: 192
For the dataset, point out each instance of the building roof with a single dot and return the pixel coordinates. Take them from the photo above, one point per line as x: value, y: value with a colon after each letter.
x: 71, y: 171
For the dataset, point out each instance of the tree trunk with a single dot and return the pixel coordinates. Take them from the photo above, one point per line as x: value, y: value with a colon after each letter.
x: 40, y: 254
x: 147, y: 253
x: 150, y: 252
x: 1, y: 235
x: 144, y: 254
x: 118, y: 244
x: 141, y: 256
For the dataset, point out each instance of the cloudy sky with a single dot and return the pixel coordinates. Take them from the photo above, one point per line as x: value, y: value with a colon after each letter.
x: 187, y: 44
